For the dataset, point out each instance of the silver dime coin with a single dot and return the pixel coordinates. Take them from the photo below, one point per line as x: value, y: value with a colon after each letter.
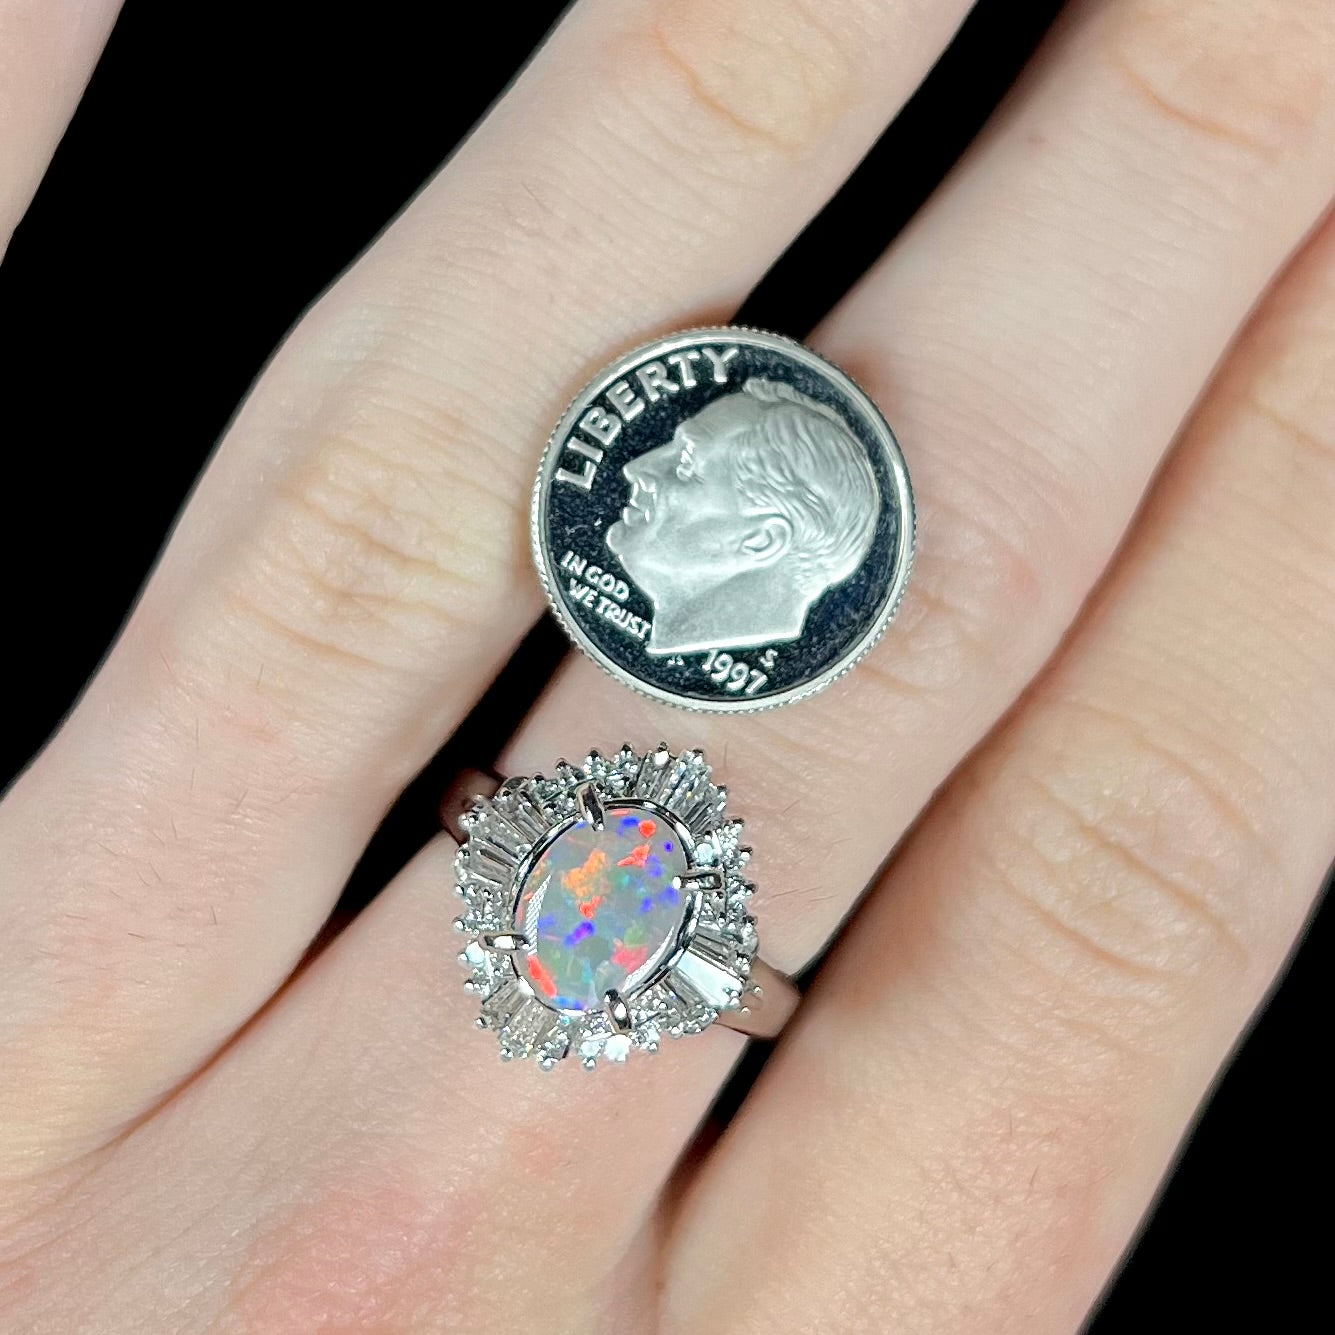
x: 723, y: 520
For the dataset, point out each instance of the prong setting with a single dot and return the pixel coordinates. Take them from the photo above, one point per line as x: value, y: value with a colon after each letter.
x: 589, y: 804
x: 618, y: 1012
x: 508, y: 943
x: 700, y: 878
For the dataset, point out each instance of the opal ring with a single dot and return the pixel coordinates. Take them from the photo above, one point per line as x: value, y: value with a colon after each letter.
x: 606, y: 907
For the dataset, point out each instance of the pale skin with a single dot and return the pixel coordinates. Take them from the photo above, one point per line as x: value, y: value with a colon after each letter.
x: 981, y: 1093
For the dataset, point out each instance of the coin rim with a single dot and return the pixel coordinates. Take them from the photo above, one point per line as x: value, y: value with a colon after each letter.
x: 905, y: 544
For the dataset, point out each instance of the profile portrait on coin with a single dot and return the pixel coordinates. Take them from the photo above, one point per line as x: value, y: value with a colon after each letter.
x: 758, y: 504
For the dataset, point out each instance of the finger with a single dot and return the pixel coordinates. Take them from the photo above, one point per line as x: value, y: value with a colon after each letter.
x: 359, y: 1160
x: 1036, y: 339
x: 352, y: 570
x: 47, y: 49
x: 993, y: 1072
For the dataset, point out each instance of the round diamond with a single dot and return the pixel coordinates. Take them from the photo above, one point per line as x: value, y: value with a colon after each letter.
x: 600, y: 907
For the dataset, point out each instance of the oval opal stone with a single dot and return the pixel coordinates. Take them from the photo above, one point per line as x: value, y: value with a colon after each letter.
x: 600, y: 908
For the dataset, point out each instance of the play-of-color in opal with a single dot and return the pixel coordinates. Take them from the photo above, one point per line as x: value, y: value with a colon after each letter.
x: 600, y: 907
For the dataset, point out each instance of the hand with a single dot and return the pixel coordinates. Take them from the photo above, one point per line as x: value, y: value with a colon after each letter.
x: 992, y: 1070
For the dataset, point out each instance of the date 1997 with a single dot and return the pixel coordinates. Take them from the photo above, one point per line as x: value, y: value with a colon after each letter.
x: 734, y: 675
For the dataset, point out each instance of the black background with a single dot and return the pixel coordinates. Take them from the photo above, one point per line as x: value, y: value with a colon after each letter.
x: 227, y: 161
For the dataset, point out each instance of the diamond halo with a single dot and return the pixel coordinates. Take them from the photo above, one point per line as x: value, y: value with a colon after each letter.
x: 699, y: 973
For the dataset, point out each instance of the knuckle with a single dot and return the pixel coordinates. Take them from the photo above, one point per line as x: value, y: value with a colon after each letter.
x: 1293, y: 383
x: 1254, y: 76
x: 466, y: 280
x: 763, y: 77
x: 1304, y: 431
x: 1271, y: 446
x: 1005, y: 538
x: 947, y: 636
x: 982, y: 570
x: 1292, y: 483
x: 1132, y: 867
x: 384, y: 537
